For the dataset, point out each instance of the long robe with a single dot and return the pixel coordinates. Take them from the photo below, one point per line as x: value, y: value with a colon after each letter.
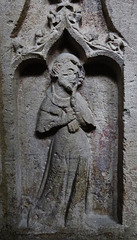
x: 65, y: 184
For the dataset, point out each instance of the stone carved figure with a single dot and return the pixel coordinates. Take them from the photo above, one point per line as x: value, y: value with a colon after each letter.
x: 63, y: 194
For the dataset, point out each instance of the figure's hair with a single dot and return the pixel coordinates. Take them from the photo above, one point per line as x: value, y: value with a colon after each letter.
x: 61, y: 60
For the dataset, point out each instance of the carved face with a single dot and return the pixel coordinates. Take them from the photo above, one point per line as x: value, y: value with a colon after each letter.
x: 68, y: 76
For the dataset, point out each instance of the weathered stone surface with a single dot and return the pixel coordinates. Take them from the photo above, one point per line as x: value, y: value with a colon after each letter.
x: 100, y: 36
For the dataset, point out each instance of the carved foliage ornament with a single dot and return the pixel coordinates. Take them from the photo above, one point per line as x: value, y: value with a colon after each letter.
x: 68, y: 16
x: 64, y: 12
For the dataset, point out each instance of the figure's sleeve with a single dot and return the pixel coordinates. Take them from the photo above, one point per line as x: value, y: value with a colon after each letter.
x: 84, y: 114
x: 51, y: 116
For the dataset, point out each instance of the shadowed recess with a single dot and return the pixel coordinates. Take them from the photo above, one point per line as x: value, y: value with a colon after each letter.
x: 66, y: 44
x: 108, y: 19
x: 54, y: 1
x: 99, y: 69
x: 21, y: 19
x: 59, y: 1
x: 32, y: 67
x: 76, y: 1
x: 104, y: 66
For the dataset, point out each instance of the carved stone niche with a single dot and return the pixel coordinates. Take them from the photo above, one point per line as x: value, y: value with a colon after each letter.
x: 62, y: 188
x: 69, y: 103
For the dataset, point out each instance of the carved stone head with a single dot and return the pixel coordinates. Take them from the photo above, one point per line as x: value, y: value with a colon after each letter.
x: 68, y: 71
